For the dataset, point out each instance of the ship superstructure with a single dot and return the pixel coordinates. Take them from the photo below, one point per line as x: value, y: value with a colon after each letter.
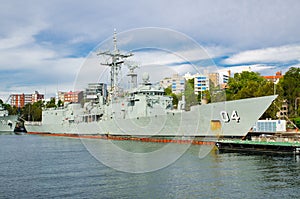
x: 7, y: 122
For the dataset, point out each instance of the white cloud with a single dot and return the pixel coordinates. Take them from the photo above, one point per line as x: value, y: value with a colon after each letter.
x: 215, y: 51
x: 37, y: 38
x: 159, y: 58
x: 26, y: 70
x: 230, y: 23
x: 266, y: 55
x: 21, y: 36
x: 241, y: 68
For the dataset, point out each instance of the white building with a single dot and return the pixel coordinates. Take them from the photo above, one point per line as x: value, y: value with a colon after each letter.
x: 201, y: 83
x: 166, y: 82
x: 60, y: 95
x: 176, y: 82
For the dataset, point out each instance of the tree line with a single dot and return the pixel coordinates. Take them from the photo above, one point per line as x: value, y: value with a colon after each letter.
x: 251, y: 84
x: 31, y: 112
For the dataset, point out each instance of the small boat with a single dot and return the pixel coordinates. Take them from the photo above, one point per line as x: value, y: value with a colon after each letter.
x: 20, y: 129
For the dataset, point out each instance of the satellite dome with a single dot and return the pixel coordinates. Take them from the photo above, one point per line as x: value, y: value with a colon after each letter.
x: 146, y: 77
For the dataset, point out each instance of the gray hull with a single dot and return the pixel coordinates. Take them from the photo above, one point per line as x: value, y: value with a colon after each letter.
x: 7, y: 123
x: 232, y: 118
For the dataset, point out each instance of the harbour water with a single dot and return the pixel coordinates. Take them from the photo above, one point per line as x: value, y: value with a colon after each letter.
x: 56, y: 167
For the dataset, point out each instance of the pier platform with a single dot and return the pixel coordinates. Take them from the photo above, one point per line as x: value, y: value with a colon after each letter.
x: 259, y: 146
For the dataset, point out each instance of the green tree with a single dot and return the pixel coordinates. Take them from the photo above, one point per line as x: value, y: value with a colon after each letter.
x: 290, y: 84
x: 245, y: 85
x: 190, y: 97
x: 60, y: 103
x: 51, y: 103
x: 33, y: 112
x: 175, y: 100
x: 11, y: 110
x: 251, y: 84
x: 205, y: 95
x: 190, y: 83
x: 168, y: 90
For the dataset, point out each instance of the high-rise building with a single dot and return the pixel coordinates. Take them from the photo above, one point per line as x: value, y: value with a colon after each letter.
x: 36, y: 97
x: 201, y: 83
x: 20, y: 100
x: 60, y: 95
x: 226, y: 77
x: 176, y: 82
x: 17, y: 100
x: 94, y: 89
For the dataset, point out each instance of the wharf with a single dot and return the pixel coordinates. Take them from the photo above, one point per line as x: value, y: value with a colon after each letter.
x: 259, y: 146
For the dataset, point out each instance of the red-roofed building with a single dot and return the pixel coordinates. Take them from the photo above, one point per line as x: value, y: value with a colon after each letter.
x: 75, y: 96
x: 274, y: 78
x: 284, y: 107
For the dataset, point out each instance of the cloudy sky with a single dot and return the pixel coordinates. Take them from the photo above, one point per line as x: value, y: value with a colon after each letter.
x: 44, y: 44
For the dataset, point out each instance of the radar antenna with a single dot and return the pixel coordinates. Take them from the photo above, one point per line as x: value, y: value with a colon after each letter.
x: 117, y: 59
x: 133, y: 75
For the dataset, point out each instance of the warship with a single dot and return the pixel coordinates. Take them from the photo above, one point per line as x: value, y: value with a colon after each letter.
x: 7, y: 122
x: 145, y: 111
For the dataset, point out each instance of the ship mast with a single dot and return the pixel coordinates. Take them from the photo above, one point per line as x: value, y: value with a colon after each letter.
x: 117, y: 59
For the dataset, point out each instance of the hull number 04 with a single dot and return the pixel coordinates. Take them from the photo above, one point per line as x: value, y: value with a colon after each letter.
x: 225, y: 116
